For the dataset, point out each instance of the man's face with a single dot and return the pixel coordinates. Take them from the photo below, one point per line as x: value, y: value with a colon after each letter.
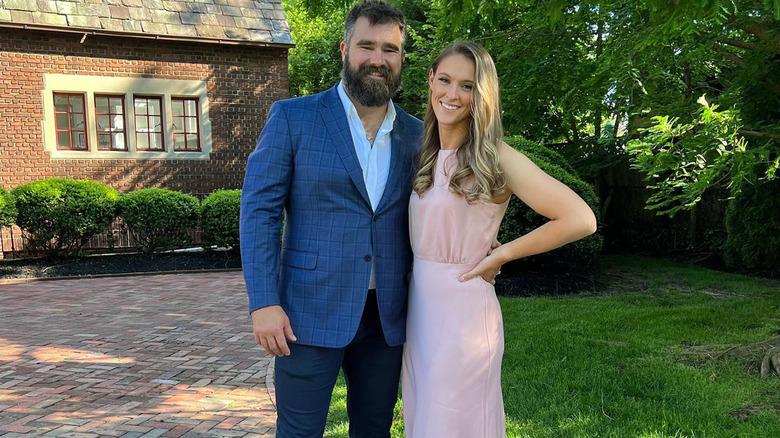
x: 373, y: 61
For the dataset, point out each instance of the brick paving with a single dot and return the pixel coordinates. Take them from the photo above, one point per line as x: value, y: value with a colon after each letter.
x: 144, y: 356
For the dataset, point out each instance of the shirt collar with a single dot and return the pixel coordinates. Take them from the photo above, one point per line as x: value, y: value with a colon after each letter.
x: 349, y: 108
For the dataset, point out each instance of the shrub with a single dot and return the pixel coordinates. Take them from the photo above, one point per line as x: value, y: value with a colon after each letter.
x: 520, y: 219
x: 219, y: 216
x: 159, y: 218
x: 7, y: 209
x: 58, y: 216
x: 753, y: 228
x: 528, y: 147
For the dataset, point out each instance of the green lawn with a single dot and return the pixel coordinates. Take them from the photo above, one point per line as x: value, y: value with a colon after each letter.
x: 615, y: 363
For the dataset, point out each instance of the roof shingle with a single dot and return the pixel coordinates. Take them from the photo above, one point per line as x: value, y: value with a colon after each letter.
x: 240, y: 21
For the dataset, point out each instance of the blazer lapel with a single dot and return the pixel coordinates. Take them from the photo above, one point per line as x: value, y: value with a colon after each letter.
x: 396, y: 156
x: 335, y: 119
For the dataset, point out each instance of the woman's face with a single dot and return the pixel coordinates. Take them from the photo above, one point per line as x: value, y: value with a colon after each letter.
x: 452, y: 90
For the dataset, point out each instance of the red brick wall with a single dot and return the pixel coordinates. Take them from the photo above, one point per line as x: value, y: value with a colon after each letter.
x: 243, y: 82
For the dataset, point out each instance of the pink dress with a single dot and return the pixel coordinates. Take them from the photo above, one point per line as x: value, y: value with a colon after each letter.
x: 454, y: 335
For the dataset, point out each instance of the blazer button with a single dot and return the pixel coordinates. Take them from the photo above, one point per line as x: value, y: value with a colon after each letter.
x: 367, y: 258
x: 376, y: 218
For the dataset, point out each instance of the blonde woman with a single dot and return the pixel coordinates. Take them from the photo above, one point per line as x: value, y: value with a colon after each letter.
x: 466, y: 175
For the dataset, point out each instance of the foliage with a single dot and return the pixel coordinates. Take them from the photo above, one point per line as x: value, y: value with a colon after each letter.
x: 7, y: 209
x: 58, y: 216
x: 219, y: 219
x: 520, y: 219
x: 549, y: 155
x: 753, y: 226
x: 159, y: 218
x: 688, y: 158
x: 315, y: 62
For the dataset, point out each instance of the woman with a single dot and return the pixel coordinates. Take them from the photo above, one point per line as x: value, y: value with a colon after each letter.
x: 455, y: 339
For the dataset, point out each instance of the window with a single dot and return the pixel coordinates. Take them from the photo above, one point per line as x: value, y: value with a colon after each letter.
x: 185, y: 124
x: 70, y: 127
x: 125, y: 118
x: 110, y: 122
x: 148, y: 123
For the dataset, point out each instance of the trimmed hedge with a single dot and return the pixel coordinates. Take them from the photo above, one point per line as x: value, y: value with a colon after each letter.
x: 219, y: 216
x: 753, y: 229
x: 528, y: 147
x: 58, y: 215
x: 158, y: 219
x: 7, y: 209
x: 521, y: 219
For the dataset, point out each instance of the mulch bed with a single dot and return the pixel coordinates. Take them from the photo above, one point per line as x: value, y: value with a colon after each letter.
x: 517, y: 281
x: 117, y: 264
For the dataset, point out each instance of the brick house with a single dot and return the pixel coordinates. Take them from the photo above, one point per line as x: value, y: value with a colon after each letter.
x: 137, y: 93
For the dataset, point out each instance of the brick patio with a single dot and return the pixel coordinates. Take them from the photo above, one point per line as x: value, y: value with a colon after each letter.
x: 143, y: 356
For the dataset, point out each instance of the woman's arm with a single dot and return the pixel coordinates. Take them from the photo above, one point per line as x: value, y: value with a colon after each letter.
x: 570, y: 217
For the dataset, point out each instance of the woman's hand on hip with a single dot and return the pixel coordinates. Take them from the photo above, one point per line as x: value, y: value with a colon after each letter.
x: 488, y: 268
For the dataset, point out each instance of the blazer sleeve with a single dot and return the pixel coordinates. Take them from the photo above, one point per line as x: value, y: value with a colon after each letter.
x: 267, y: 183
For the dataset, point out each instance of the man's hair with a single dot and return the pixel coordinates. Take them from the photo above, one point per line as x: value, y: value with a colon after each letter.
x: 377, y: 12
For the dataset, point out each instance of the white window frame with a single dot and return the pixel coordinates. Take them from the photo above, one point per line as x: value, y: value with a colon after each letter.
x: 91, y: 85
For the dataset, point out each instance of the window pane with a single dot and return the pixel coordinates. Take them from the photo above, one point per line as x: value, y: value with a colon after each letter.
x: 104, y: 141
x: 154, y: 122
x: 178, y: 124
x: 63, y: 139
x: 178, y: 107
x: 154, y: 107
x: 140, y: 106
x: 77, y: 121
x: 62, y: 121
x: 191, y: 107
x: 192, y: 141
x: 102, y: 123
x: 155, y: 141
x: 116, y: 106
x: 101, y: 105
x: 61, y: 103
x: 118, y: 123
x: 141, y: 124
x: 143, y: 141
x: 76, y: 104
x: 119, y: 141
x: 192, y: 124
x: 78, y: 140
x: 178, y: 141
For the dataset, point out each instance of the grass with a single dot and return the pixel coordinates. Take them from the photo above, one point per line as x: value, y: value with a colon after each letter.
x: 613, y: 363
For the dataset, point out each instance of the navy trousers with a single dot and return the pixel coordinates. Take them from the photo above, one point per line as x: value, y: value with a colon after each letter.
x: 305, y: 380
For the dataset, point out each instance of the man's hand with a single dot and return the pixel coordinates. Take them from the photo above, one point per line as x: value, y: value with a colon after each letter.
x: 271, y: 326
x: 493, y: 246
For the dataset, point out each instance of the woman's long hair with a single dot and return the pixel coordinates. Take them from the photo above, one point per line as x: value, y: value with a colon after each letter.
x: 478, y: 176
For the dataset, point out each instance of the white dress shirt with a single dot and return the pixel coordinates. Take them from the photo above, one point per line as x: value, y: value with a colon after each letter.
x: 374, y: 160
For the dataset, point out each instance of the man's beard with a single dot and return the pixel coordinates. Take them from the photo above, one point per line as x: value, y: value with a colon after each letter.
x: 368, y: 91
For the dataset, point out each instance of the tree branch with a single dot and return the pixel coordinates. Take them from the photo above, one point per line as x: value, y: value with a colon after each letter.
x: 758, y: 134
x: 730, y: 56
x: 760, y: 29
x: 773, y: 87
x: 736, y: 43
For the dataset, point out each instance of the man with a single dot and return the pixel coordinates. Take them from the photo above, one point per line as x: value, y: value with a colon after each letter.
x: 339, y: 165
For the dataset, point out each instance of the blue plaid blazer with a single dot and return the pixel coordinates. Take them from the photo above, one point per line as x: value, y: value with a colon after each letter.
x: 305, y: 168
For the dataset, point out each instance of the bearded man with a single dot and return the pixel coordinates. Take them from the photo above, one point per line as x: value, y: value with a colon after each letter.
x: 338, y: 166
